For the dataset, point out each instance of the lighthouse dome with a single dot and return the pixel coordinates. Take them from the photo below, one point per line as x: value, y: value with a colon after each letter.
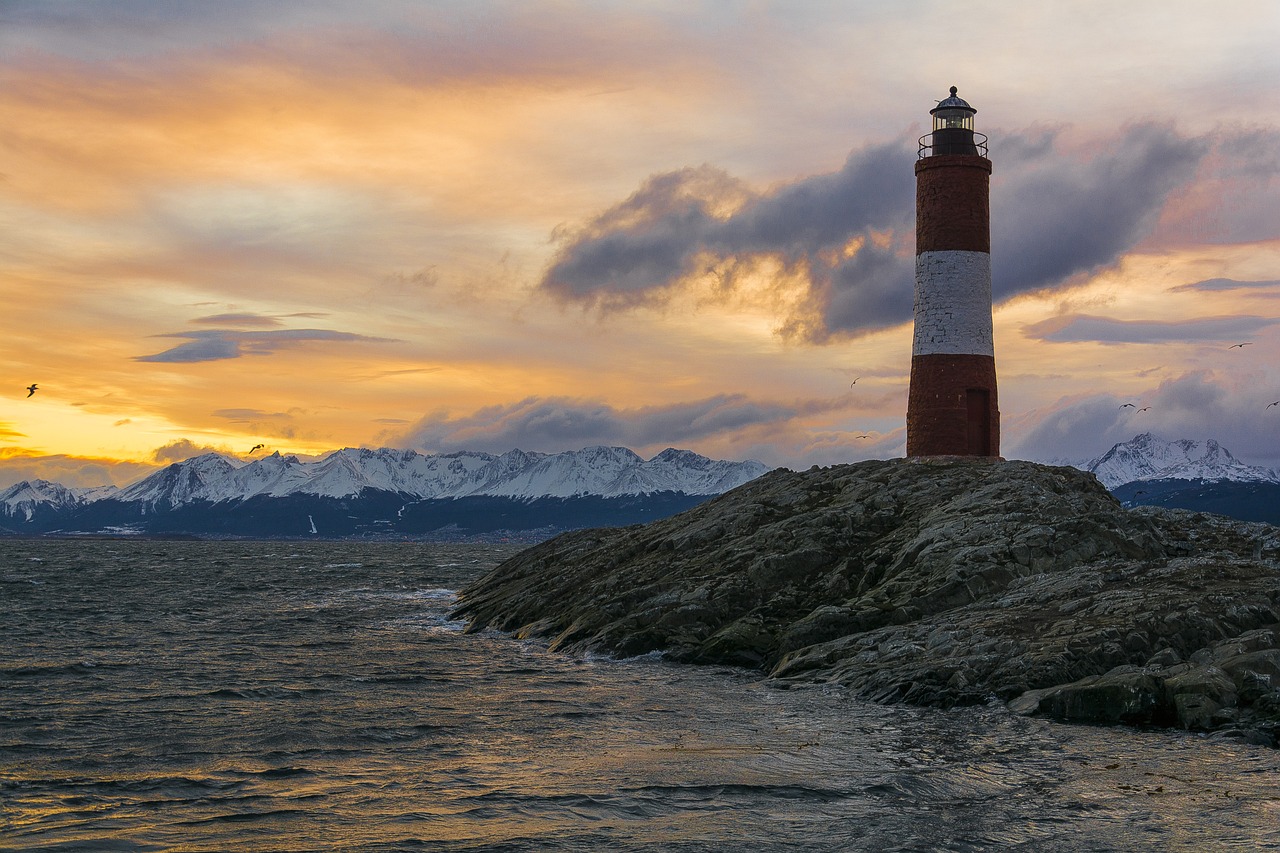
x: 953, y: 103
x: 953, y: 130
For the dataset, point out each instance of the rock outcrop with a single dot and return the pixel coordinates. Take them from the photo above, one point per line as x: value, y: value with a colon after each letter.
x: 936, y: 583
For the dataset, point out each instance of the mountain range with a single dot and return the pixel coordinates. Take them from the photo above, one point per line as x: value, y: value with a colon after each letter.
x: 1145, y: 457
x: 383, y: 492
x: 1186, y: 474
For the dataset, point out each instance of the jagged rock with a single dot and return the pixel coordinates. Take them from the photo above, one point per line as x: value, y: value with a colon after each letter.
x: 936, y: 583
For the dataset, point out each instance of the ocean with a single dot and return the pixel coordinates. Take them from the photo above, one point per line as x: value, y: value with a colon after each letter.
x: 298, y: 696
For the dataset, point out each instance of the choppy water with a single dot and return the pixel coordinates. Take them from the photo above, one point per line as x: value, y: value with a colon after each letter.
x: 212, y: 696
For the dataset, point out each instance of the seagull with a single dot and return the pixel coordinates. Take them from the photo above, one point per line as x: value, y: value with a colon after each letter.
x: 862, y: 436
x: 1269, y: 405
x: 256, y: 447
x: 1145, y: 409
x: 1128, y: 406
x: 1237, y: 346
x: 31, y: 389
x: 854, y: 382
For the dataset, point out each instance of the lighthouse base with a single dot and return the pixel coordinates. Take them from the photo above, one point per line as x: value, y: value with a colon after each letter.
x: 952, y: 409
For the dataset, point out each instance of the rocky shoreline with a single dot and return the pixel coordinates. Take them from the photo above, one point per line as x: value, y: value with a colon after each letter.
x: 936, y: 583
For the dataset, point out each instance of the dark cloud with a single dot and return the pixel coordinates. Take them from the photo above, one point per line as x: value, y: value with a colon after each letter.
x: 1085, y: 327
x: 1228, y: 284
x: 1235, y: 199
x: 184, y: 448
x: 1054, y: 218
x: 696, y: 221
x: 632, y: 252
x: 557, y: 423
x: 238, y: 320
x: 211, y: 345
x: 1197, y: 406
x: 848, y: 236
x: 1073, y: 430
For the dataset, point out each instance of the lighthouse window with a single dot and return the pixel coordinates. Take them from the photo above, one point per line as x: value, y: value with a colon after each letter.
x: 952, y: 120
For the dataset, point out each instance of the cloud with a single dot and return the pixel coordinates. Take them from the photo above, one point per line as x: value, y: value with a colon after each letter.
x: 827, y: 229
x: 249, y: 414
x: 184, y: 448
x: 1234, y: 198
x: 212, y: 345
x: 1216, y: 284
x: 238, y: 319
x: 1085, y: 327
x: 847, y: 236
x: 71, y: 471
x: 407, y: 371
x: 558, y: 423
x: 1196, y: 405
x: 1054, y: 218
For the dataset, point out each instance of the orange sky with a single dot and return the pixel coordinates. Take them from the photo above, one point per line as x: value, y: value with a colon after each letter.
x: 549, y: 225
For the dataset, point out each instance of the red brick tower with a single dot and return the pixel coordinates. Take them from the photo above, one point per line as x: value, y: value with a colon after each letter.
x: 952, y: 408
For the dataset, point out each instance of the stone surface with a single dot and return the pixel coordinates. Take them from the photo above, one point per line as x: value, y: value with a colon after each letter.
x: 953, y: 304
x: 938, y: 406
x: 937, y: 583
x: 953, y: 204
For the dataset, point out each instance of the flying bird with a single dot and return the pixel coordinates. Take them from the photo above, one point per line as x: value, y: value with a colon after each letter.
x: 256, y: 447
x: 31, y: 389
x: 1237, y: 346
x: 854, y: 382
x: 862, y: 436
x: 1145, y: 409
x: 1128, y: 406
x: 1269, y: 405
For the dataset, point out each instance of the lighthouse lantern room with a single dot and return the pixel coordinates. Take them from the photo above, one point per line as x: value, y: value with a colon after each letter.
x: 953, y: 129
x: 952, y: 409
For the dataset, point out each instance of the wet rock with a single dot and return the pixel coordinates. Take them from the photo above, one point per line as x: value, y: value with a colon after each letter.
x: 1125, y: 694
x: 935, y: 583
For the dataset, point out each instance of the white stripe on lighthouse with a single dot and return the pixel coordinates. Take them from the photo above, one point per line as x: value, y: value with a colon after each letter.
x: 953, y: 304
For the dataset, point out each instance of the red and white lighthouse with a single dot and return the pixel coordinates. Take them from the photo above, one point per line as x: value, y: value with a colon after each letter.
x: 951, y: 407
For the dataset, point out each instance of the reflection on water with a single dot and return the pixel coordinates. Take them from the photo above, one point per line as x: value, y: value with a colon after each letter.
x: 282, y: 696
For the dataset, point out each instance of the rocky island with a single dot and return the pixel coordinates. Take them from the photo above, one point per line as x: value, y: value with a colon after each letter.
x: 939, y: 582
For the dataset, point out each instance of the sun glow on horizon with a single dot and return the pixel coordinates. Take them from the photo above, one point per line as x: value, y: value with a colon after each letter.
x: 318, y: 229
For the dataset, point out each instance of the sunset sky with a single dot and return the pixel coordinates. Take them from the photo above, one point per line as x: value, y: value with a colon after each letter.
x: 545, y: 225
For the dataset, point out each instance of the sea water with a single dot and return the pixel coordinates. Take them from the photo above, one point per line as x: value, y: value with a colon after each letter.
x: 294, y: 696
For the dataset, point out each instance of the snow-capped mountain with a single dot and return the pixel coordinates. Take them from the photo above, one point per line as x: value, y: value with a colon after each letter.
x: 357, y: 492
x: 1146, y: 457
x: 600, y: 471
x: 23, y: 499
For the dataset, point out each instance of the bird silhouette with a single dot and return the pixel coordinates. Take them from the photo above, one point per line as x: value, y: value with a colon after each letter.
x: 1145, y: 409
x: 854, y: 382
x: 1269, y: 405
x: 31, y: 389
x: 862, y: 436
x: 1238, y: 346
x: 1128, y: 406
x: 256, y: 447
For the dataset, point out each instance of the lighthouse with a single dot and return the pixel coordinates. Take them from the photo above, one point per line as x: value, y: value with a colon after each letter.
x: 951, y: 406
